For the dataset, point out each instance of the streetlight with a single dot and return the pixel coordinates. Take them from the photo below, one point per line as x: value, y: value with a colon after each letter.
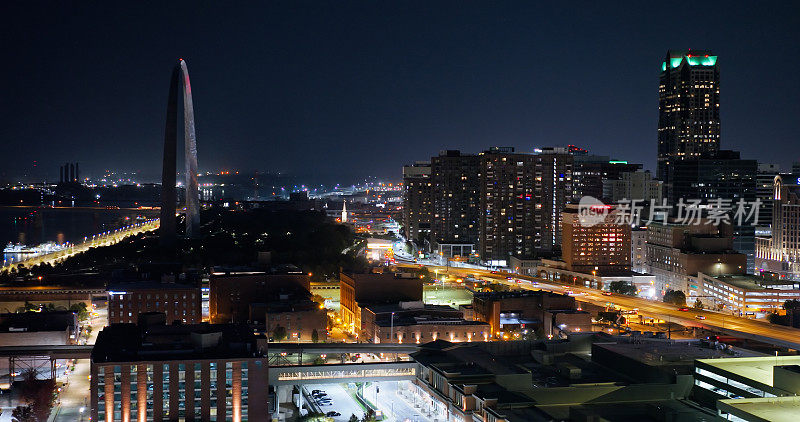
x: 391, y: 335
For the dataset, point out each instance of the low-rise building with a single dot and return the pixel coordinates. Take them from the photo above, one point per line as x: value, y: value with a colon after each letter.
x: 358, y: 289
x: 38, y: 328
x: 415, y: 322
x: 749, y: 388
x: 528, y: 381
x: 180, y: 302
x: 523, y: 310
x: 676, y: 252
x: 232, y: 292
x: 746, y: 294
x: 178, y: 372
x: 297, y: 317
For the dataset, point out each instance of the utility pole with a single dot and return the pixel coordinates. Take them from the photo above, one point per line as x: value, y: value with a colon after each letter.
x: 391, y: 335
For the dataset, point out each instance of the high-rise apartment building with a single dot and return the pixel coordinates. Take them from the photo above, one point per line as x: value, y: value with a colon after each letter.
x: 417, y: 201
x: 522, y: 196
x: 688, y: 108
x: 457, y: 202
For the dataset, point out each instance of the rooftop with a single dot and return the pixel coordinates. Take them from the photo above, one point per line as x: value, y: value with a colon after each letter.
x: 754, y: 368
x: 131, y: 343
x: 775, y: 409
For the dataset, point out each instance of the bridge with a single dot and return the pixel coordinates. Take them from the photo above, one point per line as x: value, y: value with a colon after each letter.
x: 39, y: 358
x: 342, y: 373
x: 102, y: 239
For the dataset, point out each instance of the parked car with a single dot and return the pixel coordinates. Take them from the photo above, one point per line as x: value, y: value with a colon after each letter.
x: 332, y: 414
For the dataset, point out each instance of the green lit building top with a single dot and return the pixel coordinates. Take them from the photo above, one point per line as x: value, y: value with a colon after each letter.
x: 688, y: 108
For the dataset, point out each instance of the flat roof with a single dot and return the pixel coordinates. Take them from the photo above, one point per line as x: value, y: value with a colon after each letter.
x: 662, y: 353
x: 755, y: 368
x: 775, y: 409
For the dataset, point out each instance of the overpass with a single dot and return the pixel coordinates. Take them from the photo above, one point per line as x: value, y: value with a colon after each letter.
x: 720, y: 322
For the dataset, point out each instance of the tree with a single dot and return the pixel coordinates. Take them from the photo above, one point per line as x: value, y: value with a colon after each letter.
x: 38, y: 394
x: 622, y: 287
x: 353, y: 418
x: 791, y: 304
x: 369, y: 416
x: 80, y: 309
x: 675, y: 297
x: 23, y: 414
x: 279, y: 333
x: 699, y: 305
x: 314, y: 336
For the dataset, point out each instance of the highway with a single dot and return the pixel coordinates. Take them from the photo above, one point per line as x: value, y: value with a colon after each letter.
x: 717, y: 321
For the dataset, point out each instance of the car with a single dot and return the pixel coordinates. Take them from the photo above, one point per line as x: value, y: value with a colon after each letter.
x: 684, y: 309
x: 332, y: 414
x: 326, y: 403
x: 606, y: 293
x: 700, y: 316
x: 315, y: 391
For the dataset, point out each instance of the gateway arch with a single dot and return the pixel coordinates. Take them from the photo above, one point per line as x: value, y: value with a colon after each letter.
x: 168, y: 233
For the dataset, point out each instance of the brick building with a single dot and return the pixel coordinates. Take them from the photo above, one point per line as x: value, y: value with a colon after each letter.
x: 180, y: 302
x: 356, y: 289
x: 232, y: 293
x: 177, y: 372
x: 415, y: 322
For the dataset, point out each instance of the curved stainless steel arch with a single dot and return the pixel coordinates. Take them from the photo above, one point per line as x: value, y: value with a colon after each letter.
x: 168, y: 235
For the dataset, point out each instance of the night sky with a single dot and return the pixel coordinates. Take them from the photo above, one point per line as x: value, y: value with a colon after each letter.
x: 345, y: 90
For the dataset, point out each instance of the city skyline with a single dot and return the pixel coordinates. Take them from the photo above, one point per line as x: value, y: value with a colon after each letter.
x: 429, y: 78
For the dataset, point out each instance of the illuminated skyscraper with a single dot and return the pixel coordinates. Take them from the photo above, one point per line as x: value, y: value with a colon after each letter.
x: 688, y: 108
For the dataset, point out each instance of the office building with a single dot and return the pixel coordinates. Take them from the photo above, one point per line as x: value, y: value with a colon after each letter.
x: 417, y: 202
x: 156, y: 372
x: 780, y: 253
x: 456, y: 200
x: 592, y: 174
x: 602, y: 248
x: 356, y: 290
x: 765, y: 181
x: 688, y: 108
x: 725, y: 177
x: 231, y: 293
x: 179, y: 302
x: 676, y: 252
x: 639, y: 249
x: 635, y: 185
x: 415, y: 322
x: 522, y: 196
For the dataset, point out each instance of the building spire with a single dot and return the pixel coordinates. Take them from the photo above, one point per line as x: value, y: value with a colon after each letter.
x: 344, y: 211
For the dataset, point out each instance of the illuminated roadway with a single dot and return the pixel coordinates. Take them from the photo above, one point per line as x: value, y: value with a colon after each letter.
x: 723, y: 323
x: 103, y: 239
